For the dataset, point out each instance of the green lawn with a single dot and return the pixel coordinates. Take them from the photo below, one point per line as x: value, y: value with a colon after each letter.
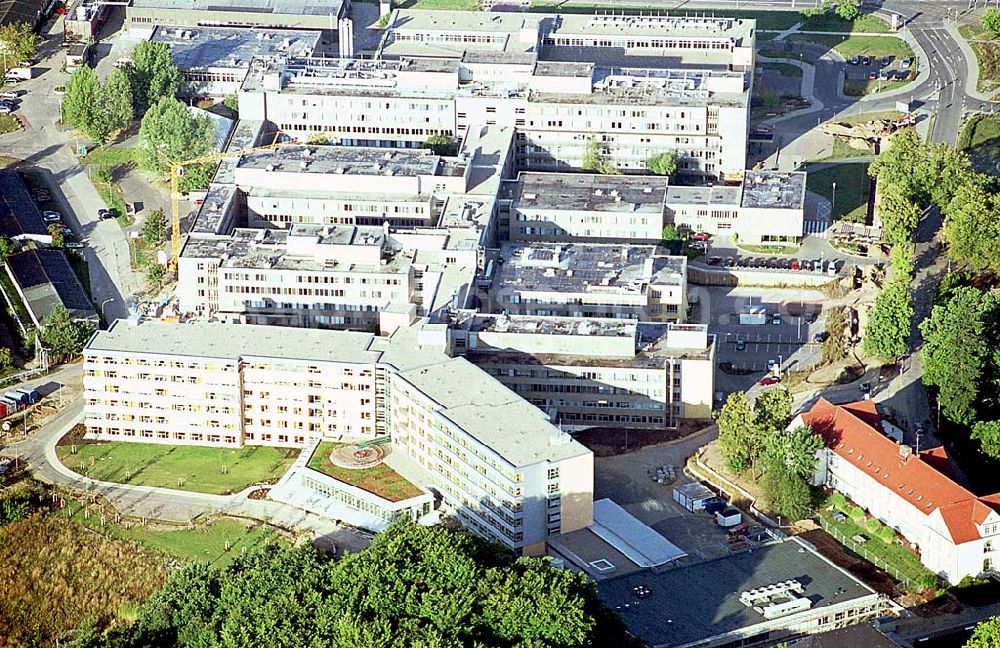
x: 380, y: 480
x: 113, y: 155
x: 831, y: 22
x: 784, y: 69
x: 192, y: 468
x: 852, y: 189
x: 981, y: 138
x: 850, y: 45
x: 861, y: 118
x: 768, y: 249
x: 891, y: 557
x: 862, y: 87
x: 205, y: 542
x: 9, y: 124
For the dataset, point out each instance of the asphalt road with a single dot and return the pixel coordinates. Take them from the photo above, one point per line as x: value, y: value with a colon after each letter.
x: 43, y: 145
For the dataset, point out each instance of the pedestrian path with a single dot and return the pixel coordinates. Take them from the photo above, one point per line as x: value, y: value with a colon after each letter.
x: 816, y: 227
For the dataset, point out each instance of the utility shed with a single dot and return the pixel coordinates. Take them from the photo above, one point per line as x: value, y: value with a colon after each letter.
x: 693, y: 496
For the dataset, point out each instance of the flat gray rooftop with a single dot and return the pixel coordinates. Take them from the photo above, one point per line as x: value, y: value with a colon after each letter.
x: 281, y: 7
x: 195, y: 48
x: 352, y: 160
x: 549, y: 325
x: 233, y: 341
x: 694, y: 603
x: 774, y: 189
x: 588, y: 192
x: 571, y: 267
x: 715, y: 195
x: 493, y: 414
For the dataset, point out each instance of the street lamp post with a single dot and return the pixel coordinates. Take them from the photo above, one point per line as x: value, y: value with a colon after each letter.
x: 833, y: 202
x: 103, y: 311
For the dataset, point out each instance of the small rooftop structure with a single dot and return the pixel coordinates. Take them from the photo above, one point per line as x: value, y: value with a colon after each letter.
x: 44, y: 279
x: 775, y: 190
x: 352, y: 160
x: 587, y: 192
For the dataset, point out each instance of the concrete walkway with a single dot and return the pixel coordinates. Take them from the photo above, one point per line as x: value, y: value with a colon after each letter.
x: 805, y: 89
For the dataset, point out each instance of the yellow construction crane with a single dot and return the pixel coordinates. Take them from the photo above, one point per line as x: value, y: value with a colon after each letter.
x: 176, y: 173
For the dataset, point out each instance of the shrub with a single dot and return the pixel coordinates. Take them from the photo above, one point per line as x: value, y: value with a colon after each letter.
x: 838, y: 502
x: 925, y: 582
x: 886, y: 534
x: 874, y: 526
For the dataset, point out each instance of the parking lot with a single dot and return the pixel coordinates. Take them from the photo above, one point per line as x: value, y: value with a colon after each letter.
x: 789, y: 338
x: 886, y: 68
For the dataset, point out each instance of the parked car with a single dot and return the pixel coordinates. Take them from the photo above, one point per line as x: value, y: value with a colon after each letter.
x: 51, y: 216
x: 6, y: 110
x: 906, y: 62
x: 767, y: 381
x: 714, y: 261
x: 866, y: 390
x: 872, y: 76
x: 9, y: 94
x: 700, y: 236
x: 820, y: 337
x: 74, y: 245
x: 772, y: 365
x: 795, y: 264
x: 741, y: 345
x: 854, y: 60
x: 866, y: 60
x: 105, y: 214
x: 11, y: 80
x: 886, y: 60
x: 776, y: 318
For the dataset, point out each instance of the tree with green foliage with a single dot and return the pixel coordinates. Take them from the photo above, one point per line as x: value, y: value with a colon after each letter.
x: 441, y: 145
x: 414, y: 586
x: 670, y: 233
x: 197, y: 177
x: 63, y: 336
x: 787, y: 494
x: 7, y: 248
x: 887, y: 333
x: 987, y: 433
x: 813, y: 12
x: 956, y: 349
x: 901, y: 259
x: 102, y: 174
x: 902, y: 165
x: 118, y: 100
x: 664, y: 164
x: 171, y: 133
x: 18, y: 42
x: 58, y: 238
x: 155, y: 274
x: 83, y: 105
x: 972, y: 225
x: 153, y: 75
x: 990, y: 20
x: 6, y: 359
x: 154, y: 229
x: 986, y: 634
x: 849, y: 10
x: 740, y: 440
x: 899, y: 215
x: 595, y: 159
x: 948, y: 169
x: 794, y: 451
x: 232, y: 102
x: 772, y: 410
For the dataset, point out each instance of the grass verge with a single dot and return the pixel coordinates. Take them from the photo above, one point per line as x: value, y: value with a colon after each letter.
x: 862, y: 118
x: 379, y: 480
x: 768, y: 249
x: 850, y: 45
x: 784, y: 69
x: 890, y: 556
x: 852, y: 189
x: 111, y: 155
x: 9, y: 124
x: 980, y: 137
x: 862, y: 87
x: 192, y: 468
x: 831, y: 22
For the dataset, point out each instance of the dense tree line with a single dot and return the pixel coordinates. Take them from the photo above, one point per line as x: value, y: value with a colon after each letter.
x: 413, y: 587
x: 753, y: 440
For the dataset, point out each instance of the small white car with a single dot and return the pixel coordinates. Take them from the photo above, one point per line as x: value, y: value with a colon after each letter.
x: 51, y: 216
x: 74, y: 245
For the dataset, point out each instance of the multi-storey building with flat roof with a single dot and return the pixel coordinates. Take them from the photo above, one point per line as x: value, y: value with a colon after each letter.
x: 142, y: 16
x: 580, y: 280
x: 592, y: 372
x: 500, y: 465
x: 634, y: 87
x: 766, y: 206
x: 214, y: 61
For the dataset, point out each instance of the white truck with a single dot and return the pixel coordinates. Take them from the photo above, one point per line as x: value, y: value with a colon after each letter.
x: 754, y: 315
x: 20, y: 73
